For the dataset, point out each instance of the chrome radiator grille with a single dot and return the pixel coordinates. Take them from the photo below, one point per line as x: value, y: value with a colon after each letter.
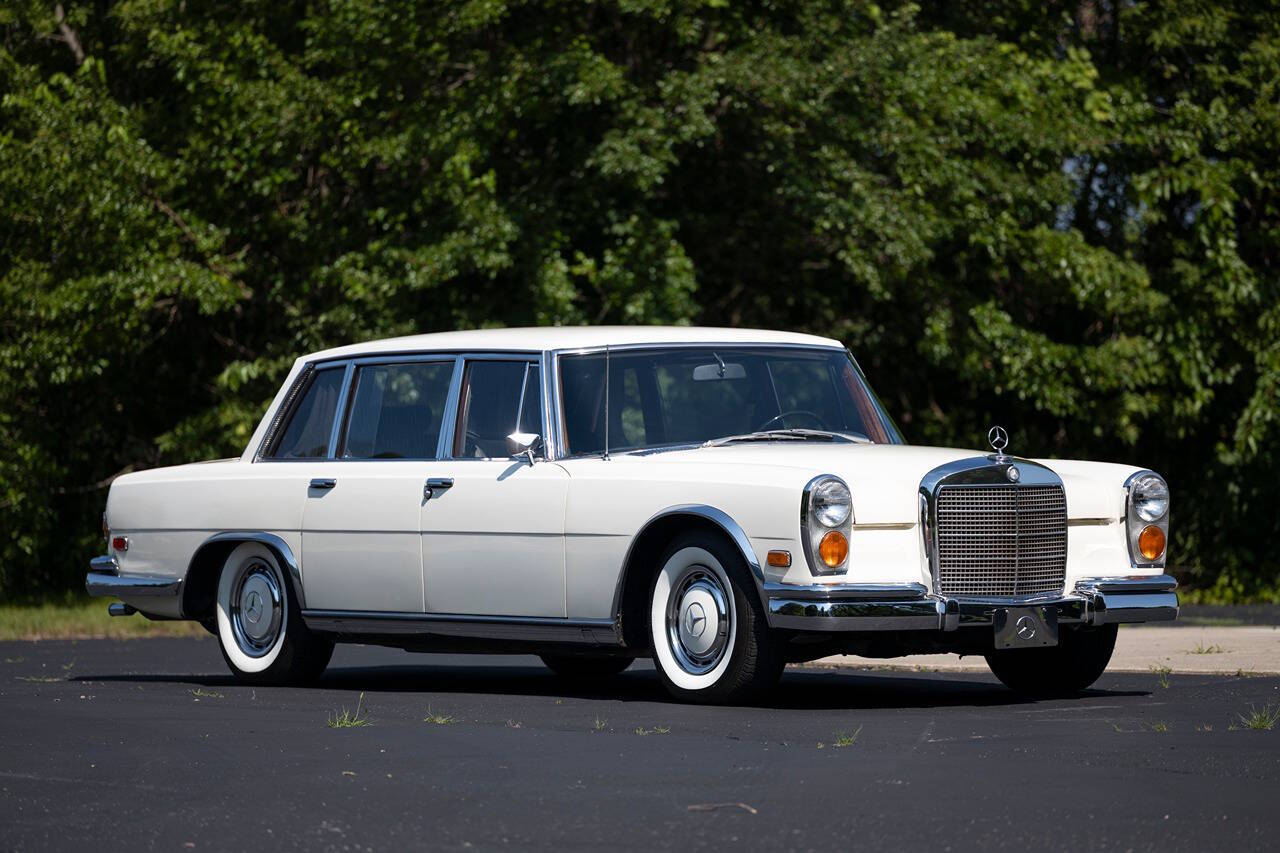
x: 1001, y: 541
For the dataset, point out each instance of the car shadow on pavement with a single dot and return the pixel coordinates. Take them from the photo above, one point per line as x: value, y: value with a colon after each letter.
x: 799, y: 689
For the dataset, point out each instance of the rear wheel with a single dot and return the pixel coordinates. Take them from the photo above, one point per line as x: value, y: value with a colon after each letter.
x: 711, y: 642
x: 1076, y: 662
x: 572, y: 666
x: 260, y: 629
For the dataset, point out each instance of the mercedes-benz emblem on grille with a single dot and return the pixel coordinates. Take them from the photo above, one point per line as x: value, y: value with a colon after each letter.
x: 998, y: 438
x: 1026, y: 628
x: 1013, y: 473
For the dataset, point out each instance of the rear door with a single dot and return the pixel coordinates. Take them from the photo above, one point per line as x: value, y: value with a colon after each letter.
x: 360, y: 537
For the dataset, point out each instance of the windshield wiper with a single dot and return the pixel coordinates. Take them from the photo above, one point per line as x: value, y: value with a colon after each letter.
x: 795, y: 434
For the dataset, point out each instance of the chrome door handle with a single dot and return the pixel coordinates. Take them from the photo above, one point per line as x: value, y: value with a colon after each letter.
x: 323, y: 483
x: 435, y: 484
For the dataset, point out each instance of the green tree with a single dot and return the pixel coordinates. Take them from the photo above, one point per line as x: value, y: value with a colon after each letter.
x: 1062, y: 218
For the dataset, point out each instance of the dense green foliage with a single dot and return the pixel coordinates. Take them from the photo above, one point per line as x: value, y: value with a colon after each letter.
x: 1064, y: 217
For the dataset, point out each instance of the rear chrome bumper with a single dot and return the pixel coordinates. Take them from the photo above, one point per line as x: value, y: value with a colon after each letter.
x: 104, y: 579
x: 912, y: 607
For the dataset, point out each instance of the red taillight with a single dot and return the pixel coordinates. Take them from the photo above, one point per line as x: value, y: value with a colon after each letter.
x: 120, y: 543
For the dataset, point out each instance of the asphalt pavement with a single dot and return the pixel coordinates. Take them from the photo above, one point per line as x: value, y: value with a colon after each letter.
x: 148, y: 744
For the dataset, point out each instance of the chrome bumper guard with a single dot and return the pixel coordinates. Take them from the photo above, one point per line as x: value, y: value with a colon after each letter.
x: 912, y: 607
x: 104, y: 579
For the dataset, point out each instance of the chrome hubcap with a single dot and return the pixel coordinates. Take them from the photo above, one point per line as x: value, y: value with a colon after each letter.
x: 257, y: 609
x: 698, y: 620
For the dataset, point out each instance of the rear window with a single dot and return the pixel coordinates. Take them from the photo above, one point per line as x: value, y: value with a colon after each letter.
x: 396, y: 410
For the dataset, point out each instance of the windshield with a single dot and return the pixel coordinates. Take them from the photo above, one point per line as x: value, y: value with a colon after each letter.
x: 683, y: 396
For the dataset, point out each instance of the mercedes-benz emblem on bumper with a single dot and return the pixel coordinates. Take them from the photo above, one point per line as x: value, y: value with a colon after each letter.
x: 1026, y: 627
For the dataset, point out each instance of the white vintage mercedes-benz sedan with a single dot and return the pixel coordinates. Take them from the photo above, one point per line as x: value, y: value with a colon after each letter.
x: 724, y: 501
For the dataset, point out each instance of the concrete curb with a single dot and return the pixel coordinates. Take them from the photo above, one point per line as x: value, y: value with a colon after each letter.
x: 1249, y: 650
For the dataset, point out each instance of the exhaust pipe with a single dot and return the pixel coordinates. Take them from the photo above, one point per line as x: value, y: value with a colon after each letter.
x: 119, y: 608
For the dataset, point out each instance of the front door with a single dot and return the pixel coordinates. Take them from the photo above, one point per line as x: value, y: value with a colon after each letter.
x: 361, y: 545
x: 493, y: 528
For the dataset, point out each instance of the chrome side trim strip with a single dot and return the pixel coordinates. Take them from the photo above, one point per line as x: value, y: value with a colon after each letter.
x: 130, y: 586
x: 593, y: 632
x: 885, y: 525
x: 1091, y: 522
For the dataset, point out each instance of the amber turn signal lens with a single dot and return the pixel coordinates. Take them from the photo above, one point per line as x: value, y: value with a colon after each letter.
x: 833, y: 548
x: 1151, y: 542
x: 780, y: 559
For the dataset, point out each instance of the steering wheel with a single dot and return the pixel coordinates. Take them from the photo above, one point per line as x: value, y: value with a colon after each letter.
x: 816, y: 418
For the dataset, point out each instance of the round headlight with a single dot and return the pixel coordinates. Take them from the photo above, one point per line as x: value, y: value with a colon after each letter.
x: 1150, y: 497
x: 831, y: 503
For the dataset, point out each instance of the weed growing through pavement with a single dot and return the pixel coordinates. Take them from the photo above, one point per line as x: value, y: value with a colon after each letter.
x: 438, y: 719
x: 347, y: 720
x: 514, y: 724
x: 599, y: 724
x: 1262, y: 719
x: 847, y: 738
x: 201, y: 693
x: 40, y: 679
x: 1159, y: 728
x: 1202, y: 649
x: 1163, y: 673
x: 656, y: 730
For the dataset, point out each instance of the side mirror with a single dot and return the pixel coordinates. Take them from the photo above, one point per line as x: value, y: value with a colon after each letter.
x: 523, y: 445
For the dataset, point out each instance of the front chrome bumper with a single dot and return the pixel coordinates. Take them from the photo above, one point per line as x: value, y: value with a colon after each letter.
x: 912, y: 607
x: 104, y: 579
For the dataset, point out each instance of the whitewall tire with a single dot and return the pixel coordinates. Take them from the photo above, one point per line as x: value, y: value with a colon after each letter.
x: 260, y: 628
x: 709, y: 636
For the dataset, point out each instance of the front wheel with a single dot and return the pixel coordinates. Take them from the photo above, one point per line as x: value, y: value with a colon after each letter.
x: 259, y: 624
x: 1076, y: 662
x: 711, y: 642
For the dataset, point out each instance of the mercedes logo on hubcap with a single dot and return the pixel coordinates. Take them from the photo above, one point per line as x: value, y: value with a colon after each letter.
x: 254, y: 610
x: 1026, y: 628
x: 695, y: 620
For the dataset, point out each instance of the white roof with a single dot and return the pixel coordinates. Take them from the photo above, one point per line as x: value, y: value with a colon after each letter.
x: 571, y: 337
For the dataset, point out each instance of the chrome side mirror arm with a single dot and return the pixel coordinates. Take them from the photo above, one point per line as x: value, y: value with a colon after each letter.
x: 523, y: 445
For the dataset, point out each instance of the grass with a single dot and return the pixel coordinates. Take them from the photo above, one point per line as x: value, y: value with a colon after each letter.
x: 1262, y: 719
x: 83, y: 618
x: 438, y: 719
x: 1163, y: 673
x: 347, y: 720
x: 844, y: 739
x: 1202, y: 649
x: 656, y: 730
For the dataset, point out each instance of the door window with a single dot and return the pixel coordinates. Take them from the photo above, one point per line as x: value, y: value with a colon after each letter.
x: 310, y: 427
x: 498, y: 398
x: 396, y: 410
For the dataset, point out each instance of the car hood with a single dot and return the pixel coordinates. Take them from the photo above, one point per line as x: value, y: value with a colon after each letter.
x: 885, y: 478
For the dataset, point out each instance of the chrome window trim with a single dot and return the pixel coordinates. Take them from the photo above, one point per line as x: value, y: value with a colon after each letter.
x: 344, y: 409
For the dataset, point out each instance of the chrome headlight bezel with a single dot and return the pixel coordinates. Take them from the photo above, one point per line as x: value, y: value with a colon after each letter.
x: 1146, y: 504
x: 820, y: 495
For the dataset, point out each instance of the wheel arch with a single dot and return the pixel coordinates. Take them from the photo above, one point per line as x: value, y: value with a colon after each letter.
x: 199, y: 587
x: 630, y: 600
